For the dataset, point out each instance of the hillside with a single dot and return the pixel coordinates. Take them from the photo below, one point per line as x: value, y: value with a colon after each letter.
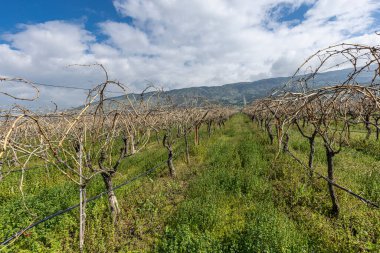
x: 235, y: 93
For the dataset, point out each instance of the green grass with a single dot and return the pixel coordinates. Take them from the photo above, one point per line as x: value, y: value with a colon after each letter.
x: 357, y: 229
x: 229, y: 206
x: 232, y: 197
x: 246, y: 202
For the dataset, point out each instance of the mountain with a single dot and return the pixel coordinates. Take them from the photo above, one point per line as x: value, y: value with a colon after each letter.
x: 228, y: 94
x: 238, y: 93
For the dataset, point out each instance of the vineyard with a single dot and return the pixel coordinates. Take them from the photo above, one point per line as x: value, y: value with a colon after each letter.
x: 297, y: 171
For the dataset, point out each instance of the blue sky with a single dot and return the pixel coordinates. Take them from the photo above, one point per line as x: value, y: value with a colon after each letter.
x: 171, y: 43
x: 91, y: 12
x: 86, y: 12
x: 289, y: 13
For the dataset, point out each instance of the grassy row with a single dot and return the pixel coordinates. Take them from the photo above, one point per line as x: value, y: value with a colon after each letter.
x: 230, y: 206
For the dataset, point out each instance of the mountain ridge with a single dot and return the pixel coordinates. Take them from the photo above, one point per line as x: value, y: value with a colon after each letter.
x: 239, y: 93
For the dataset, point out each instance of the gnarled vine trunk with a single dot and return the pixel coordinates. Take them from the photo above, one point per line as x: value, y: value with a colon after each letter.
x: 367, y: 126
x: 112, y: 200
x: 311, y: 154
x: 186, y: 147
x: 170, y: 163
x: 330, y: 175
x: 269, y: 131
x: 209, y: 124
x: 166, y: 142
x: 196, y: 134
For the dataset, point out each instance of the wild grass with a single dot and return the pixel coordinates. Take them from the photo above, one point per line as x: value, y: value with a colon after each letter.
x: 232, y: 197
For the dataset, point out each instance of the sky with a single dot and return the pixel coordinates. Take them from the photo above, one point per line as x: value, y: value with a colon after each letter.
x: 168, y: 43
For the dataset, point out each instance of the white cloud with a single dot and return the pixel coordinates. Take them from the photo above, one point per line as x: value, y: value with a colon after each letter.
x: 186, y: 43
x: 128, y: 39
x: 54, y: 39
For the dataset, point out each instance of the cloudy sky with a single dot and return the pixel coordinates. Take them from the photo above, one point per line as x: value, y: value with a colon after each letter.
x: 171, y: 43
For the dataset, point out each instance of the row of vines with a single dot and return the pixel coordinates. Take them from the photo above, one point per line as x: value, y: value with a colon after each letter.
x: 92, y: 141
x: 328, y: 111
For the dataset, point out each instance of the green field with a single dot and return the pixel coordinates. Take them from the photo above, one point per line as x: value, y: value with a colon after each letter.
x: 232, y: 197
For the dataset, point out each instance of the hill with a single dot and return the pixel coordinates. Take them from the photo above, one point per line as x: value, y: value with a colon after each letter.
x: 237, y: 93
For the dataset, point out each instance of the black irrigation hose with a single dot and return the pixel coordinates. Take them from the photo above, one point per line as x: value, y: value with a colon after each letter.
x: 25, y: 169
x: 351, y: 131
x: 20, y: 232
